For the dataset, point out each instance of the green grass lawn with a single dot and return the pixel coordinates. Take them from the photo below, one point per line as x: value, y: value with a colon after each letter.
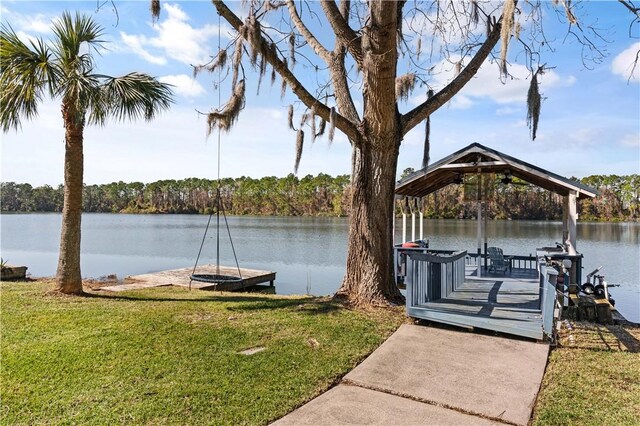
x: 170, y: 356
x: 593, y: 377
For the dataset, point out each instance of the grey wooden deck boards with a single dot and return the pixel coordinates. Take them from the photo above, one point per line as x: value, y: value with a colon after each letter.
x: 505, y: 303
x: 180, y: 277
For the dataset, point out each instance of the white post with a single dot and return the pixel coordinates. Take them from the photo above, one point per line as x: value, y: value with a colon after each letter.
x: 393, y: 224
x: 565, y: 220
x: 573, y: 219
x: 479, y: 238
x: 421, y: 220
x: 484, y: 230
x: 413, y: 220
x: 404, y: 226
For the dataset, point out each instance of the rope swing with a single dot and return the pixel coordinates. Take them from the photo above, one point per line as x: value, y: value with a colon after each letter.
x: 217, y: 277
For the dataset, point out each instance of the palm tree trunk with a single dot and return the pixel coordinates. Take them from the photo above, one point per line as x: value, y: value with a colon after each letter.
x: 69, y: 278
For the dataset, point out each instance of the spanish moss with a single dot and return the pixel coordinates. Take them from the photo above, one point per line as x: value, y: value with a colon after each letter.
x: 155, y: 10
x: 534, y: 101
x: 404, y: 85
x: 505, y: 32
x: 219, y: 61
x: 312, y: 117
x: 332, y: 124
x: 322, y: 127
x: 292, y: 49
x: 427, y: 135
x: 290, y: 118
x: 475, y: 12
x: 225, y: 118
x: 299, y: 144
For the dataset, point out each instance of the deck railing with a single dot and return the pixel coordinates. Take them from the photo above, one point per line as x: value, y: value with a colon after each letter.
x: 432, y: 275
x: 517, y: 261
x: 548, y: 297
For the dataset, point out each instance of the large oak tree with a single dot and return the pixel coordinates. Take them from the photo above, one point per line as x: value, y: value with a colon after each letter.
x: 357, y: 63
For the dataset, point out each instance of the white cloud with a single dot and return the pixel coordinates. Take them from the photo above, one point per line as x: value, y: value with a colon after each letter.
x: 175, y: 38
x: 184, y: 85
x: 461, y: 102
x: 134, y: 43
x: 38, y: 23
x: 631, y: 140
x: 625, y: 64
x: 507, y: 110
x: 487, y: 84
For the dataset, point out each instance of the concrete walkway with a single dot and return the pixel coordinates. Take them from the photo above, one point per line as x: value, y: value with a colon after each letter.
x: 424, y: 375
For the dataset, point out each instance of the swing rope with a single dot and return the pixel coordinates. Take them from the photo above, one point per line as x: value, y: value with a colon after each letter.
x: 217, y: 278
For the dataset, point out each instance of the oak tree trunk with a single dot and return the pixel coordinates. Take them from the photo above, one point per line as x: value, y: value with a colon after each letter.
x: 68, y: 277
x: 369, y: 277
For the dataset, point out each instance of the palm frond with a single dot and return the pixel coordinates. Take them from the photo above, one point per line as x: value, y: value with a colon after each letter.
x: 25, y: 74
x: 82, y: 89
x: 71, y: 32
x: 130, y: 97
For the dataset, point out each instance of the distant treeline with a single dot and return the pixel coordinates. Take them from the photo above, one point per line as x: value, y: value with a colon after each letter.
x: 320, y: 195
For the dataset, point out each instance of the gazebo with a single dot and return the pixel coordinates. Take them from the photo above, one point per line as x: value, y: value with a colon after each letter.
x: 435, y: 278
x: 479, y: 159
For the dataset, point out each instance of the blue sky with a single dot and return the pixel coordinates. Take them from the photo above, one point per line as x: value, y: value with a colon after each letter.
x: 590, y: 121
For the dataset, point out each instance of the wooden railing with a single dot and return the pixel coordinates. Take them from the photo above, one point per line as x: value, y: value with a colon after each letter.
x: 517, y: 261
x: 548, y: 297
x: 433, y: 275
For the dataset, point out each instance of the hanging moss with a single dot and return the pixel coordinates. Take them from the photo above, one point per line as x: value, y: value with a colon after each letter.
x: 155, y: 10
x: 332, y: 124
x: 292, y: 49
x: 299, y: 145
x: 534, y: 101
x: 218, y: 62
x: 404, y: 85
x: 290, y: 118
x: 427, y: 135
x: 227, y: 116
x: 505, y: 32
x: 475, y: 12
x: 312, y: 123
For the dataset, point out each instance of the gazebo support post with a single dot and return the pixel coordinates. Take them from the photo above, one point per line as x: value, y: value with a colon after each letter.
x: 479, y: 239
x: 421, y: 219
x: 565, y: 220
x: 572, y: 219
x: 484, y: 231
x: 413, y: 220
x: 404, y: 223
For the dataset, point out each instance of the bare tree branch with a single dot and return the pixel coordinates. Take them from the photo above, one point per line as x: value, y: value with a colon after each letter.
x: 632, y: 8
x: 308, y: 35
x: 422, y: 111
x: 343, y: 31
x: 339, y: 73
x: 298, y: 89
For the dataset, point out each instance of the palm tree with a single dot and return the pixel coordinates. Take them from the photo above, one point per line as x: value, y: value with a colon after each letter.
x: 64, y: 69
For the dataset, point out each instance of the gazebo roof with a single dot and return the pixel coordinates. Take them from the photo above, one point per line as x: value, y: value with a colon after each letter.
x: 476, y: 156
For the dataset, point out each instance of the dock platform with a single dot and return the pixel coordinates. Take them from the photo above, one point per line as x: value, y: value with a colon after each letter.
x: 506, y: 303
x: 181, y: 277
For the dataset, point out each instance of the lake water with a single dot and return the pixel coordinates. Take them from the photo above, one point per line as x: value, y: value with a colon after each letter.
x: 308, y: 254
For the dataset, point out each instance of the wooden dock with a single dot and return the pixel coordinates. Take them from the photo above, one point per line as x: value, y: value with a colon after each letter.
x: 181, y: 278
x: 506, y: 303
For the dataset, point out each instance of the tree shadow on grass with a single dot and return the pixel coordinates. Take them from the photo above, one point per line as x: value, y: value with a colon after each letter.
x: 626, y: 339
x: 241, y: 303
